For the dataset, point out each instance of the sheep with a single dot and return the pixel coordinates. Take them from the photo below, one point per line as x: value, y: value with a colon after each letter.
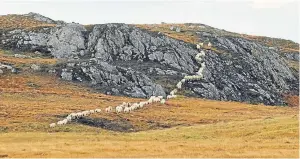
x: 60, y: 123
x: 202, y: 53
x: 134, y: 107
x: 163, y: 101
x: 72, y: 115
x: 209, y: 44
x: 52, y: 125
x: 65, y: 121
x: 78, y: 115
x: 171, y: 96
x: 86, y: 113
x: 193, y: 77
x: 124, y: 104
x: 156, y: 99
x: 198, y: 57
x: 183, y: 81
x: 173, y: 92
x: 127, y: 110
x: 198, y: 46
x: 69, y: 118
x: 141, y: 104
x: 161, y: 97
x: 108, y: 109
x: 179, y: 85
x: 92, y: 111
x: 201, y: 69
x: 119, y: 109
x: 203, y: 65
x: 151, y: 99
x: 97, y: 110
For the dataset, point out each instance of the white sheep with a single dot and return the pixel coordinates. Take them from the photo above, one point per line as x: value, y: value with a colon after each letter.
x: 141, y: 104
x: 198, y: 46
x: 97, y: 110
x: 52, y: 125
x: 86, y: 113
x: 202, y: 53
x: 198, y: 59
x: 201, y: 69
x: 179, y: 85
x: 72, y: 115
x: 174, y: 91
x: 156, y: 99
x: 151, y: 99
x: 65, y: 121
x: 60, y: 123
x: 209, y: 44
x: 69, y: 118
x: 127, y: 110
x: 92, y: 111
x: 169, y: 96
x: 135, y: 106
x: 163, y: 101
x: 108, y: 109
x: 78, y: 115
x: 119, y: 109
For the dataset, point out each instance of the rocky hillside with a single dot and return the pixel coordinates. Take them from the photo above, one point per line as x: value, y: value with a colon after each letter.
x: 140, y: 61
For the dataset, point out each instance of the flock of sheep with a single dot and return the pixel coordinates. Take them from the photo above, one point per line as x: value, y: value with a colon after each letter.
x: 124, y: 107
x: 129, y: 107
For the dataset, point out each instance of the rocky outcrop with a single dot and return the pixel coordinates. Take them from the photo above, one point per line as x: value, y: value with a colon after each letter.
x: 291, y: 56
x: 121, y: 59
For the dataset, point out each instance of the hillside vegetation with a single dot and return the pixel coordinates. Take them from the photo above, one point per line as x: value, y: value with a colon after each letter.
x: 14, y: 21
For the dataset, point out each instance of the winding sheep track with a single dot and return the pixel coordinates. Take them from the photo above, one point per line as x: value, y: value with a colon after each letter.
x: 129, y: 107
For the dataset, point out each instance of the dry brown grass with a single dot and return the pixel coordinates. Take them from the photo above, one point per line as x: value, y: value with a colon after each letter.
x: 292, y: 100
x: 20, y: 22
x: 276, y: 138
x: 284, y: 45
x: 5, y: 58
x: 184, y: 35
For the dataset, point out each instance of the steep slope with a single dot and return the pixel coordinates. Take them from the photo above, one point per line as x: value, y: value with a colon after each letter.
x: 122, y: 59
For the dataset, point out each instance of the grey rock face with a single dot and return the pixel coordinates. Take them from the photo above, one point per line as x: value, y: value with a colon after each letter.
x: 67, y: 41
x: 121, y: 59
